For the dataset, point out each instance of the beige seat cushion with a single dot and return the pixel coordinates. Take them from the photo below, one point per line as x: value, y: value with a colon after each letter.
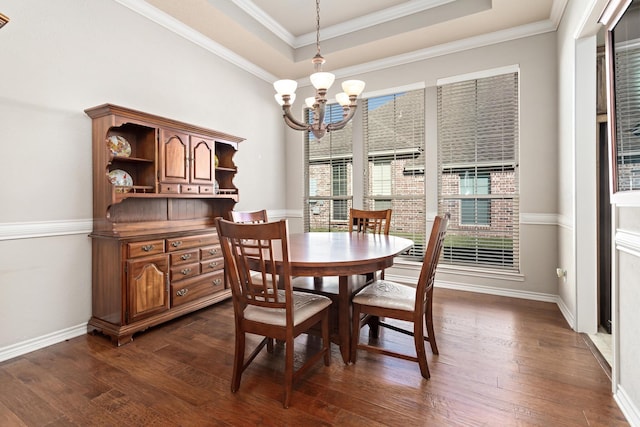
x: 305, y: 305
x: 383, y: 293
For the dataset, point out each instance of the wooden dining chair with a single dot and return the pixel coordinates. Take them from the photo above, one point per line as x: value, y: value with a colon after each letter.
x: 386, y: 299
x: 260, y: 307
x: 249, y: 216
x: 361, y: 221
x: 376, y: 222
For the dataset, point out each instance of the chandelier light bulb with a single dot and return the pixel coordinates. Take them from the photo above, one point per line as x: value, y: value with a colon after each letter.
x: 310, y: 101
x: 353, y: 87
x: 322, y: 80
x: 286, y: 87
x: 343, y: 99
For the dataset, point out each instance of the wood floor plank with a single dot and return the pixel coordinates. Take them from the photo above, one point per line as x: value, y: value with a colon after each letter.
x: 502, y: 362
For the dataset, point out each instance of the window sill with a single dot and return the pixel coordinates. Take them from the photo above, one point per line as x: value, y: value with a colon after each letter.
x: 465, y: 271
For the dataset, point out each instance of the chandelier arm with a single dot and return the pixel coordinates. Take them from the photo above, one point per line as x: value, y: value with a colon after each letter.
x: 342, y: 123
x: 291, y: 121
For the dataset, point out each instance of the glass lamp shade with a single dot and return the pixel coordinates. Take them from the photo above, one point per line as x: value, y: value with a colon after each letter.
x: 278, y: 97
x: 285, y: 87
x: 310, y: 101
x: 322, y: 80
x: 353, y: 87
x: 343, y: 99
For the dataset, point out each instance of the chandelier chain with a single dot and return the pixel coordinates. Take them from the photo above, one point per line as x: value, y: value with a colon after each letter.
x: 318, y: 26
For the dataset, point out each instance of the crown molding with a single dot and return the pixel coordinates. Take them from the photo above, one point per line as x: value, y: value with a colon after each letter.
x: 515, y: 33
x: 557, y: 10
x: 159, y: 17
x: 359, y: 23
x: 143, y: 8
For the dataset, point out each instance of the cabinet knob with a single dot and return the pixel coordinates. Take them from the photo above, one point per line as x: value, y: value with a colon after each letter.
x: 147, y: 248
x: 213, y: 264
x: 185, y: 257
x: 182, y: 292
x: 217, y: 281
x: 176, y: 243
x: 186, y: 271
x: 213, y: 251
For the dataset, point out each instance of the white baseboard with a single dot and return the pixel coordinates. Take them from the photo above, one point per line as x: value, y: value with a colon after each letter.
x: 630, y: 411
x: 535, y: 296
x: 37, y: 343
x: 571, y: 320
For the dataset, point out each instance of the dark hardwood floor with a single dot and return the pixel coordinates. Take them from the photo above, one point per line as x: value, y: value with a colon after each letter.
x: 502, y: 362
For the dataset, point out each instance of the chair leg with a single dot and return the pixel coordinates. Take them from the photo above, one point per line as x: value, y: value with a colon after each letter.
x: 418, y: 339
x: 288, y: 372
x: 355, y: 332
x: 326, y: 340
x: 238, y: 361
x: 428, y: 317
x: 374, y: 326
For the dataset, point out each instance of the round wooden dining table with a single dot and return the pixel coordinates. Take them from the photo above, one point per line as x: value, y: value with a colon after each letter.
x: 342, y: 254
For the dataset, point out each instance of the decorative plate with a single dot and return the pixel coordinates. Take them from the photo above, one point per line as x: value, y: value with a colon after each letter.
x: 121, y: 179
x: 119, y: 146
x: 217, y: 161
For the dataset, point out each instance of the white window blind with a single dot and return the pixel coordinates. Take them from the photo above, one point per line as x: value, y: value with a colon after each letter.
x: 627, y: 95
x: 329, y: 169
x: 478, y: 171
x: 394, y: 146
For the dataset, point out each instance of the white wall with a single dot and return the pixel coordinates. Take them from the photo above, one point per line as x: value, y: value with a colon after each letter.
x: 536, y: 57
x: 628, y: 316
x: 57, y: 59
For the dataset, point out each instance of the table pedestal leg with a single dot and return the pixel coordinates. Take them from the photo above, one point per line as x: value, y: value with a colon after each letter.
x: 344, y: 318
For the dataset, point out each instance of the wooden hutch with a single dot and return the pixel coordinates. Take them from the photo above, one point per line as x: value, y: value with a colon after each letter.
x: 155, y: 250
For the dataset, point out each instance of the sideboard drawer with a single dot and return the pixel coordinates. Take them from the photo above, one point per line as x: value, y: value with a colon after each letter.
x: 184, y: 271
x: 210, y: 265
x: 210, y: 252
x: 185, y: 257
x: 197, y: 287
x: 151, y: 247
x: 191, y: 242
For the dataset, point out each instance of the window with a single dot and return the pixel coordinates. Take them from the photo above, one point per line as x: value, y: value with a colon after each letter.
x: 329, y: 168
x: 477, y: 171
x: 474, y: 210
x: 339, y: 182
x: 394, y: 179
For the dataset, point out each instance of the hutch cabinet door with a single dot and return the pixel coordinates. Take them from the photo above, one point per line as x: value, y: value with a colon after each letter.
x: 148, y: 287
x: 202, y: 160
x: 174, y: 156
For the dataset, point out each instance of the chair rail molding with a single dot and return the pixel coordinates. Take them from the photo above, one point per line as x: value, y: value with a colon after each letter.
x: 31, y: 230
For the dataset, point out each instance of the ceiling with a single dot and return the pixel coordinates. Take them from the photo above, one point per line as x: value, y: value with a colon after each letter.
x: 277, y: 38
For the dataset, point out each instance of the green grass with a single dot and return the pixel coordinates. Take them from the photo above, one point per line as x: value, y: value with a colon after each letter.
x: 481, y: 242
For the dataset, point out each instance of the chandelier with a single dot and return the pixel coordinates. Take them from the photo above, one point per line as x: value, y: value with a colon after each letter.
x: 322, y: 81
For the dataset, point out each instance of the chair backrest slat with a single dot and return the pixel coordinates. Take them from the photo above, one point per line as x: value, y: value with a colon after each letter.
x: 431, y: 257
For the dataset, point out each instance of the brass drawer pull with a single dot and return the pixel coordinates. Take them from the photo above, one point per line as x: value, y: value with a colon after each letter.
x: 147, y: 248
x: 176, y: 243
x: 217, y: 282
x: 182, y: 292
x: 186, y: 271
x: 185, y: 257
x: 213, y: 251
x: 213, y: 264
